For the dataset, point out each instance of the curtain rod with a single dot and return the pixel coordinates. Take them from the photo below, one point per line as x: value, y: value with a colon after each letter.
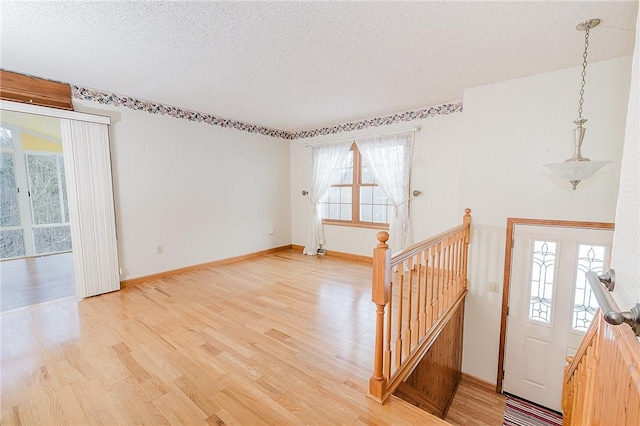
x: 366, y: 135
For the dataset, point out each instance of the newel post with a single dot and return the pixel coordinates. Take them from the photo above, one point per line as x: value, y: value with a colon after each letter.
x: 380, y: 296
x: 466, y: 220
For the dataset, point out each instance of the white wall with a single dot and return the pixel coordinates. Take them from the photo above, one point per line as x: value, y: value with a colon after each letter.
x: 202, y: 192
x: 511, y: 129
x: 435, y: 171
x: 626, y: 241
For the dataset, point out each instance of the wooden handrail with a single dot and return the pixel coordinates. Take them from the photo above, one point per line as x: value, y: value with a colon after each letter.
x: 414, y: 291
x: 417, y: 247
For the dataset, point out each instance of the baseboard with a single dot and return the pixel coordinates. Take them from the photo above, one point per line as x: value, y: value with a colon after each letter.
x: 167, y: 274
x: 479, y: 382
x: 340, y: 254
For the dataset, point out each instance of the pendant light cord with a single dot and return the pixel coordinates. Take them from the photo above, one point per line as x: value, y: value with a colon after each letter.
x: 584, y: 70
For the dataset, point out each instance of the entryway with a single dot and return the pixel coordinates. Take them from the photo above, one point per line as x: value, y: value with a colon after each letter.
x: 34, y: 280
x: 547, y: 303
x: 36, y: 263
x: 90, y: 211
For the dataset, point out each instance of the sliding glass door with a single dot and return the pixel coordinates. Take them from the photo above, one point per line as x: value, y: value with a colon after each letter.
x: 48, y: 199
x: 88, y: 207
x: 11, y: 228
x: 34, y: 215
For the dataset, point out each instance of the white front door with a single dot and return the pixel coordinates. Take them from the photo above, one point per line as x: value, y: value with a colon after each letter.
x: 550, y: 306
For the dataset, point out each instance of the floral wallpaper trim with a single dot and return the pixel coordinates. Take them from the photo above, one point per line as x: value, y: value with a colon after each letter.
x: 107, y: 98
x: 416, y: 114
x: 157, y: 108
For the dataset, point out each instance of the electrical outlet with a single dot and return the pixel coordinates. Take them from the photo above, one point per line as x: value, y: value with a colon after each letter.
x: 494, y: 287
x: 160, y: 249
x: 272, y: 231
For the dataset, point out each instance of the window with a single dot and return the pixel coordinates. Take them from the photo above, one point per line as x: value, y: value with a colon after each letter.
x: 34, y: 213
x: 49, y: 208
x: 542, y: 281
x: 355, y: 199
x: 590, y: 258
x: 11, y: 233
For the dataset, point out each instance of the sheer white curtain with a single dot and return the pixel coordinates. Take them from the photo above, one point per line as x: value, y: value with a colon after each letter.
x: 389, y: 159
x: 326, y: 160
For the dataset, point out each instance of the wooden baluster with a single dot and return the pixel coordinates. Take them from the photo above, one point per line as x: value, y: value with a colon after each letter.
x: 433, y: 285
x: 460, y: 260
x: 461, y: 274
x: 454, y: 268
x: 566, y: 390
x: 416, y: 323
x: 408, y: 337
x: 442, y: 301
x: 438, y: 285
x: 447, y: 275
x: 425, y: 300
x: 442, y: 297
x: 380, y: 296
x: 387, y: 351
x: 400, y: 280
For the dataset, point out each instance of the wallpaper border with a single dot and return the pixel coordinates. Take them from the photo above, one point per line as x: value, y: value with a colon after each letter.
x: 107, y: 98
x: 416, y: 114
x: 135, y: 104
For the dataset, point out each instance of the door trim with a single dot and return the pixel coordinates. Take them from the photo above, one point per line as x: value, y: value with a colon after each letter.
x: 506, y: 282
x: 54, y: 112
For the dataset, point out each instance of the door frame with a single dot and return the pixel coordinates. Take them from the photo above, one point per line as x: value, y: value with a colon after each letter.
x: 512, y: 222
x: 88, y: 258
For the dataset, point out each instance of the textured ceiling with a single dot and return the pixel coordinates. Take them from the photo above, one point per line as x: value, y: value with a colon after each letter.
x: 303, y: 65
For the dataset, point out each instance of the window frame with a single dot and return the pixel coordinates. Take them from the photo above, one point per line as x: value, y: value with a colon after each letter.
x: 355, y: 185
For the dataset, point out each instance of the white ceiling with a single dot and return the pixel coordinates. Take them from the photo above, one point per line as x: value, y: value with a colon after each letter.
x: 304, y: 65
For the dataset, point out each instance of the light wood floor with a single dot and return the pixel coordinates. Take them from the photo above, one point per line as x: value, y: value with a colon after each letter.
x: 281, y: 339
x: 476, y: 403
x: 25, y: 282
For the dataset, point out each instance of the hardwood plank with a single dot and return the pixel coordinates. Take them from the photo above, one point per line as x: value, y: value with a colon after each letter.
x: 28, y: 281
x: 476, y: 403
x: 278, y: 339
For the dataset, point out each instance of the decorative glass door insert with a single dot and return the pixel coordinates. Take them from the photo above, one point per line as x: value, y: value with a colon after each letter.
x: 590, y: 258
x: 542, y: 280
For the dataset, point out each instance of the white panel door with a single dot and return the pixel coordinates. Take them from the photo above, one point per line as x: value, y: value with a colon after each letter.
x: 550, y: 306
x: 88, y: 166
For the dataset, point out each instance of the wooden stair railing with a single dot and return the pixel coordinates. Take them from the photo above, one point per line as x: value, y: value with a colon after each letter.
x: 602, y: 381
x: 416, y: 293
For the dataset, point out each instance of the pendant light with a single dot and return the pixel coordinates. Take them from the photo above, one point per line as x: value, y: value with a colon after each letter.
x: 578, y: 168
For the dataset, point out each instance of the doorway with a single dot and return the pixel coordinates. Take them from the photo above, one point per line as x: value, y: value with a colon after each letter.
x: 547, y: 304
x: 35, y: 234
x: 91, y: 213
x: 34, y: 211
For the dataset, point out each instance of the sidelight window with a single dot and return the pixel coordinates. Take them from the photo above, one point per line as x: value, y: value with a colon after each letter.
x: 590, y: 258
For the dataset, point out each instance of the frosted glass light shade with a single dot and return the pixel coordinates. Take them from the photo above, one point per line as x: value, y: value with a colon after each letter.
x: 576, y: 170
